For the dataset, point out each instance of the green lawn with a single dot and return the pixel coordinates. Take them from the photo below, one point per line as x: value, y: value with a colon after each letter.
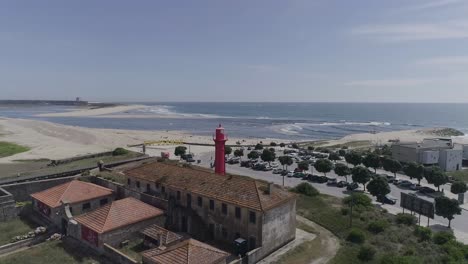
x: 9, y: 149
x: 461, y: 175
x: 52, y: 252
x: 13, y: 228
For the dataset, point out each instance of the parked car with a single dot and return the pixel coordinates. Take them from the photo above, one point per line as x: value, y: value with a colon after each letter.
x: 415, y: 187
x: 284, y: 172
x: 299, y: 175
x: 322, y: 179
x: 277, y: 171
x: 267, y: 168
x: 352, y: 186
x: 342, y: 184
x: 426, y: 190
x: 290, y: 174
x: 388, y: 199
x: 405, y: 184
x: 297, y: 170
x: 233, y: 161
x: 332, y: 182
x: 245, y: 163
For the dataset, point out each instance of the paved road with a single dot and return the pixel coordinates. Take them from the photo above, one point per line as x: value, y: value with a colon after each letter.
x: 459, y: 224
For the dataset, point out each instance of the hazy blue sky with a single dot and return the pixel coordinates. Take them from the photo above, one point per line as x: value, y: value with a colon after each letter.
x: 294, y: 50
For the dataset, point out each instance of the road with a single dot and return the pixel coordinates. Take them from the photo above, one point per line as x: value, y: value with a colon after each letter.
x: 459, y: 224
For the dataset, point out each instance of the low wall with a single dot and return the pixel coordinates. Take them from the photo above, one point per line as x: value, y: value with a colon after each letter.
x: 90, y: 156
x: 22, y: 191
x: 8, y: 209
x: 117, y: 256
x: 21, y: 244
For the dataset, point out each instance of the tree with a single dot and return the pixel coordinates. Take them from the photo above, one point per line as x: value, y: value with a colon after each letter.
x: 268, y: 156
x: 361, y: 175
x: 372, y: 161
x: 295, y: 146
x: 435, y: 176
x: 334, y: 156
x: 286, y: 161
x: 414, y: 170
x: 447, y: 208
x: 239, y: 153
x: 342, y: 170
x: 353, y: 158
x: 324, y: 166
x: 253, y: 155
x: 378, y: 187
x: 282, y: 145
x: 258, y: 146
x: 310, y: 148
x: 180, y: 151
x: 458, y: 187
x: 392, y: 166
x: 272, y: 150
x: 273, y: 144
x: 227, y: 150
x: 342, y: 152
x: 303, y: 165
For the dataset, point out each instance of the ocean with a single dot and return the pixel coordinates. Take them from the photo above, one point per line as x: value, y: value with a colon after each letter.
x: 293, y: 121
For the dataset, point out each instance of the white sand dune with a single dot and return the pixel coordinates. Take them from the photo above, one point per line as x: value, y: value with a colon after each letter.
x: 95, y: 112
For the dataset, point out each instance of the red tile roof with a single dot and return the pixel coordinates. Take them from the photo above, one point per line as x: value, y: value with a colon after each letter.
x: 164, y: 236
x: 234, y: 189
x: 71, y: 192
x: 118, y: 214
x: 189, y: 251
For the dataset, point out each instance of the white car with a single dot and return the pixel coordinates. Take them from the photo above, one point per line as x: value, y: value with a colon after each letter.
x: 290, y: 174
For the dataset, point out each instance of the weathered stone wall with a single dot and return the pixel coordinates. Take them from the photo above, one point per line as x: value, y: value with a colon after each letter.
x: 22, y: 191
x: 116, y: 256
x: 7, y: 206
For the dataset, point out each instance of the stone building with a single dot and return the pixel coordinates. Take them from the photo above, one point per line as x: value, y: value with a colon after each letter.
x: 114, y: 223
x: 185, y: 252
x: 77, y: 196
x: 156, y: 236
x: 220, y: 208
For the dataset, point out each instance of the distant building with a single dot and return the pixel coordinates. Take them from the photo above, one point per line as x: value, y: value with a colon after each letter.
x: 114, y: 223
x: 185, y: 252
x: 80, y: 197
x: 440, y: 152
x: 220, y: 208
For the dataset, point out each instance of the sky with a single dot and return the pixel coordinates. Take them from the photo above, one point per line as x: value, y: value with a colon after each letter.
x: 243, y: 50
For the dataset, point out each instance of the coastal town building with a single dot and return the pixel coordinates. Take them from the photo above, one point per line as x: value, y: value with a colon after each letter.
x: 77, y: 196
x: 115, y: 222
x: 441, y: 152
x: 156, y: 236
x: 220, y: 208
x: 189, y: 251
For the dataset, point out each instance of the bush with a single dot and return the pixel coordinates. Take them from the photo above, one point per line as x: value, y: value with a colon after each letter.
x: 442, y: 237
x: 306, y: 189
x: 344, y: 211
x: 377, y: 226
x: 273, y: 144
x: 356, y: 236
x: 423, y: 233
x: 392, y: 259
x: 406, y: 219
x: 295, y: 146
x: 366, y: 253
x: 359, y: 199
x: 119, y: 151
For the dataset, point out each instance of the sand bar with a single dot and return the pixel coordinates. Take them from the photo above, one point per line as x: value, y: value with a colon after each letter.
x: 95, y: 111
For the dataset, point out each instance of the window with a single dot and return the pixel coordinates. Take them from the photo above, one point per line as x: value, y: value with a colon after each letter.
x: 148, y: 187
x: 211, y: 205
x: 86, y: 206
x: 224, y: 232
x: 163, y: 189
x: 252, y: 217
x: 103, y: 201
x: 200, y: 201
x: 138, y: 184
x: 252, y: 243
x: 178, y: 195
x: 189, y: 200
x: 238, y: 212
x: 157, y: 185
x: 129, y: 181
x: 224, y: 209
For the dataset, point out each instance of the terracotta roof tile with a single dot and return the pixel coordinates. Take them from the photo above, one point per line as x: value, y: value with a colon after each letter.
x: 118, y: 214
x: 234, y: 189
x: 71, y: 192
x: 190, y: 251
x: 164, y: 236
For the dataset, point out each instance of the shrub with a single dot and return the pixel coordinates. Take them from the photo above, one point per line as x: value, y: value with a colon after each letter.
x: 392, y: 259
x: 442, y: 237
x: 295, y: 146
x: 344, y: 211
x: 366, y: 253
x: 306, y: 189
x: 455, y: 251
x: 377, y: 226
x: 356, y: 236
x: 273, y: 144
x: 119, y: 151
x: 423, y: 233
x: 359, y: 199
x: 406, y: 219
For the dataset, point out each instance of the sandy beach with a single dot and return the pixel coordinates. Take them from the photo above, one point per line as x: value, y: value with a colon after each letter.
x: 95, y: 111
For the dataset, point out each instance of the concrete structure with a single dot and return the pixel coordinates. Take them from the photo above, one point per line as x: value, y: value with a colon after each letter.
x: 156, y: 236
x: 220, y: 208
x: 440, y: 152
x: 77, y: 196
x: 185, y: 252
x: 114, y: 223
x: 7, y: 206
x: 220, y: 140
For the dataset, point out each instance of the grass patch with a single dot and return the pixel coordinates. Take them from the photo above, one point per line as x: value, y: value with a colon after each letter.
x: 9, y: 149
x: 134, y: 248
x: 353, y: 144
x: 303, y: 253
x: 461, y: 175
x: 52, y: 252
x: 13, y: 228
x: 113, y: 177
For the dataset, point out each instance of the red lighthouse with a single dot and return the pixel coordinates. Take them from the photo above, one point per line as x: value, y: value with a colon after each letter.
x: 220, y: 139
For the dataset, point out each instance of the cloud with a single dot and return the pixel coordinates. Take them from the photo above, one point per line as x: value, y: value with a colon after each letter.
x: 455, y: 29
x: 435, y: 4
x: 444, y: 61
x: 388, y: 83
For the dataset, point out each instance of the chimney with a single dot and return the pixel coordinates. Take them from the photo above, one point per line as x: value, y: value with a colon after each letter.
x: 270, y: 187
